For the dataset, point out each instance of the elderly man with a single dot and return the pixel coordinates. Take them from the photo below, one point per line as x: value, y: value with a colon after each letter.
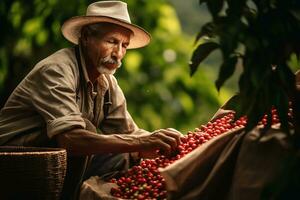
x: 72, y: 100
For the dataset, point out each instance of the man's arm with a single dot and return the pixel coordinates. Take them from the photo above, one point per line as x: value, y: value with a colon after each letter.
x: 83, y: 142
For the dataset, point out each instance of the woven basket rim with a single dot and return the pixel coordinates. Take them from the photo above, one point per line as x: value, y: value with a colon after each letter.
x: 21, y: 150
x: 32, y: 172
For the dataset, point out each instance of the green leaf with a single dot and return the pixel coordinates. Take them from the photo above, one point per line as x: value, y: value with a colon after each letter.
x: 226, y: 70
x: 228, y: 43
x: 202, y: 1
x: 256, y: 110
x: 202, y: 51
x: 234, y: 103
x: 235, y: 7
x: 250, y: 14
x: 206, y: 30
x: 215, y: 6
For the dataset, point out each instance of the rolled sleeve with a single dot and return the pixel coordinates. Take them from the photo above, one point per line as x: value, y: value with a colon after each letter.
x: 54, y: 98
x: 64, y: 123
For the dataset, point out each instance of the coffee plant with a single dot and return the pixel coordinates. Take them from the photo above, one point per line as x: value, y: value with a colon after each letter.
x: 261, y: 37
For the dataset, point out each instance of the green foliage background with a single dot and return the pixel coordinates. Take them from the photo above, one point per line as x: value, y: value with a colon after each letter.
x: 155, y: 79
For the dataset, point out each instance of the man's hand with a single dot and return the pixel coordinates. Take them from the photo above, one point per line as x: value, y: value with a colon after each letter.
x: 162, y: 141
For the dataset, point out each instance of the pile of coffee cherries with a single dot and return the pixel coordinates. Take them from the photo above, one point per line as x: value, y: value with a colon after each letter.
x: 144, y: 181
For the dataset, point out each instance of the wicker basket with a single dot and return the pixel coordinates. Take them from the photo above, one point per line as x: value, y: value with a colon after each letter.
x: 31, y: 172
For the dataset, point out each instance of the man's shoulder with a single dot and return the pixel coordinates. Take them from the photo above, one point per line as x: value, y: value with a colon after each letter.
x: 64, y: 56
x: 63, y: 59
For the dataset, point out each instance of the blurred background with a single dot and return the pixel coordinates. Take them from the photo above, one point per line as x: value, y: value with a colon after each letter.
x: 156, y: 79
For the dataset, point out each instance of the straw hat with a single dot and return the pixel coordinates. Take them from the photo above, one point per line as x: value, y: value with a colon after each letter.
x: 105, y: 11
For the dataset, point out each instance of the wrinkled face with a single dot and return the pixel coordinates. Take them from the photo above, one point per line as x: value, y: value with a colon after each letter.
x: 104, y: 46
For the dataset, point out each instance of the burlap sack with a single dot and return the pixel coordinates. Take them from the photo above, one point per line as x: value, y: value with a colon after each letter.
x: 267, y: 167
x: 201, y: 172
x: 96, y: 189
x: 238, y: 165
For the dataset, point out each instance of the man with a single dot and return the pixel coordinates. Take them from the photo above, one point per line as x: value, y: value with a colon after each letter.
x: 72, y: 100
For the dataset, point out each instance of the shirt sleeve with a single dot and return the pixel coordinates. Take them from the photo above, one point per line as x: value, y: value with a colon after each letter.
x: 54, y: 98
x: 118, y: 120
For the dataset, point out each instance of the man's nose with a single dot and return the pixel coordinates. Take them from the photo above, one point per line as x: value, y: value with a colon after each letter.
x: 118, y: 52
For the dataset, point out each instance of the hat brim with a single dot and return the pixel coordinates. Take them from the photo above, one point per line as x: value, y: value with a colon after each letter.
x: 71, y: 29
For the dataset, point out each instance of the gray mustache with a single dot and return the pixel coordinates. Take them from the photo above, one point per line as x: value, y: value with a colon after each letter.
x: 110, y: 60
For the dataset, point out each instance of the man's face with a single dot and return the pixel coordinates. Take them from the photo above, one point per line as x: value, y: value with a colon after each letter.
x: 105, y: 49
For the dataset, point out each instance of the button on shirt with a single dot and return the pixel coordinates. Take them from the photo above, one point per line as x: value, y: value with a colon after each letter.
x: 57, y: 96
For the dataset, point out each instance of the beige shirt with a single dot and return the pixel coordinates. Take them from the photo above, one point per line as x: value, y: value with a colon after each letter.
x: 53, y: 98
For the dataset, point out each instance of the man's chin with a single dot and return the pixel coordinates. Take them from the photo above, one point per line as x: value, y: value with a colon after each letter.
x: 103, y: 70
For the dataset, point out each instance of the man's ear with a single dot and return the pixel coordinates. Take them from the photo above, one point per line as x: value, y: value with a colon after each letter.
x: 83, y: 36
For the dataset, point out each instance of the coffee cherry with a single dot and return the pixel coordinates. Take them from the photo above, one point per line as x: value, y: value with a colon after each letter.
x: 144, y: 181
